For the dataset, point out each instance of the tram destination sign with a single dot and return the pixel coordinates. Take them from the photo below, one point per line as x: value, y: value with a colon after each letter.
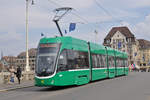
x: 48, y: 45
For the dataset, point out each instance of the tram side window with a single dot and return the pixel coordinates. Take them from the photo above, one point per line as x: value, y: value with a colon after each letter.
x: 111, y: 61
x: 81, y: 60
x: 126, y: 62
x: 120, y: 62
x: 94, y: 60
x: 77, y: 59
x: 98, y: 61
x: 71, y: 59
x: 102, y: 61
x: 62, y: 61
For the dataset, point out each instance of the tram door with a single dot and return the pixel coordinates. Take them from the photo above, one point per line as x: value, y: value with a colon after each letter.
x: 90, y: 62
x: 107, y: 62
x: 124, y: 65
x: 115, y: 58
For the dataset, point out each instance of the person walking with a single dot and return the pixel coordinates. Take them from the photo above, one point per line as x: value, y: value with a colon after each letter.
x: 12, y: 70
x: 18, y: 74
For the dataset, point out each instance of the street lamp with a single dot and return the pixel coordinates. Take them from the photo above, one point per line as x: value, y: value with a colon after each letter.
x: 27, y: 55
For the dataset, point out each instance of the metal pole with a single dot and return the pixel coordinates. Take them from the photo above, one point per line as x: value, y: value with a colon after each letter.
x: 27, y: 56
x: 56, y: 22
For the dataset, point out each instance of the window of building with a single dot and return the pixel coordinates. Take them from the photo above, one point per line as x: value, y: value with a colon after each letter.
x: 140, y: 64
x: 130, y: 57
x: 114, y: 41
x: 127, y: 39
x: 107, y: 41
x: 144, y: 64
x: 123, y: 46
x: 114, y: 46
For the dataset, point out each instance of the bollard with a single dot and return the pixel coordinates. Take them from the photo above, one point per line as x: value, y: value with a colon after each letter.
x: 6, y: 79
x: 1, y: 78
x: 28, y: 75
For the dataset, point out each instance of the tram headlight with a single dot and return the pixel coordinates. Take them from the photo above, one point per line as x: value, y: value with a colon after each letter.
x: 42, y: 81
x: 52, y: 82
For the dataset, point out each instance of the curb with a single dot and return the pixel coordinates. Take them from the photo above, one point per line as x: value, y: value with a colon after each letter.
x: 10, y: 89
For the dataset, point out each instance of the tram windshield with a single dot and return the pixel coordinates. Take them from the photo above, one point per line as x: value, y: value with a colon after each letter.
x: 46, y: 58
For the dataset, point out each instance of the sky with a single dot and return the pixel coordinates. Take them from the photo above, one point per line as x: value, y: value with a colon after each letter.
x: 89, y: 15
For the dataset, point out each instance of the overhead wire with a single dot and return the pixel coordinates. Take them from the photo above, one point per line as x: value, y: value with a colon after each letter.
x: 75, y: 14
x: 106, y: 11
x: 56, y: 4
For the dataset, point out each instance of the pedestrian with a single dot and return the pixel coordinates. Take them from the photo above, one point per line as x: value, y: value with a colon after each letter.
x: 12, y: 70
x: 18, y: 74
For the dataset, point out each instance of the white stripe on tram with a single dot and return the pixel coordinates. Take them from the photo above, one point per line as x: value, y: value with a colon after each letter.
x: 78, y: 69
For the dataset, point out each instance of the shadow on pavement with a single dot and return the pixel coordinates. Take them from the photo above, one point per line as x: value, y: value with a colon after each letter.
x: 56, y: 88
x: 59, y: 88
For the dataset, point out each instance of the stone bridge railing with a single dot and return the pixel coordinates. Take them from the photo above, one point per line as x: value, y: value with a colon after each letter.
x: 6, y: 76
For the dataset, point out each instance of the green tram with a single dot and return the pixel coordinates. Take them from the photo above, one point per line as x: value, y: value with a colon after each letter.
x: 63, y: 61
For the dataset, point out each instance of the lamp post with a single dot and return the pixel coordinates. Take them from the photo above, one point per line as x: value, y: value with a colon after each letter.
x: 27, y: 54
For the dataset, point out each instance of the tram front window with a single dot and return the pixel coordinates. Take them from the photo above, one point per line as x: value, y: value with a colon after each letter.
x: 46, y: 58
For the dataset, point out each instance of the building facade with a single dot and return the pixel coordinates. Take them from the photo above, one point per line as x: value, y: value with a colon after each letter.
x: 21, y: 59
x: 8, y: 61
x: 143, y: 54
x: 122, y: 39
x: 1, y: 67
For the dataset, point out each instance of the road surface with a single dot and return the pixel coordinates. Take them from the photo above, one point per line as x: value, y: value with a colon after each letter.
x: 135, y: 86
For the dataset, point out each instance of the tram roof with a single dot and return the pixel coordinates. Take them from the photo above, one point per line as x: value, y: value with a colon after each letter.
x: 66, y: 39
x: 68, y: 42
x: 78, y: 44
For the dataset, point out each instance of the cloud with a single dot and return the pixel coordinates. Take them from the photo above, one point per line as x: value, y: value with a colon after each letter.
x: 77, y: 4
x: 41, y: 20
x: 123, y: 23
x: 12, y: 21
x: 11, y: 17
x: 138, y: 4
x: 11, y: 42
x: 142, y: 29
x: 14, y: 17
x: 126, y: 4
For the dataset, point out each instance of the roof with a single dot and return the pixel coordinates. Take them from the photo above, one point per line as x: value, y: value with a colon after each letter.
x: 32, y: 52
x: 9, y: 58
x: 144, y: 43
x: 124, y: 30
